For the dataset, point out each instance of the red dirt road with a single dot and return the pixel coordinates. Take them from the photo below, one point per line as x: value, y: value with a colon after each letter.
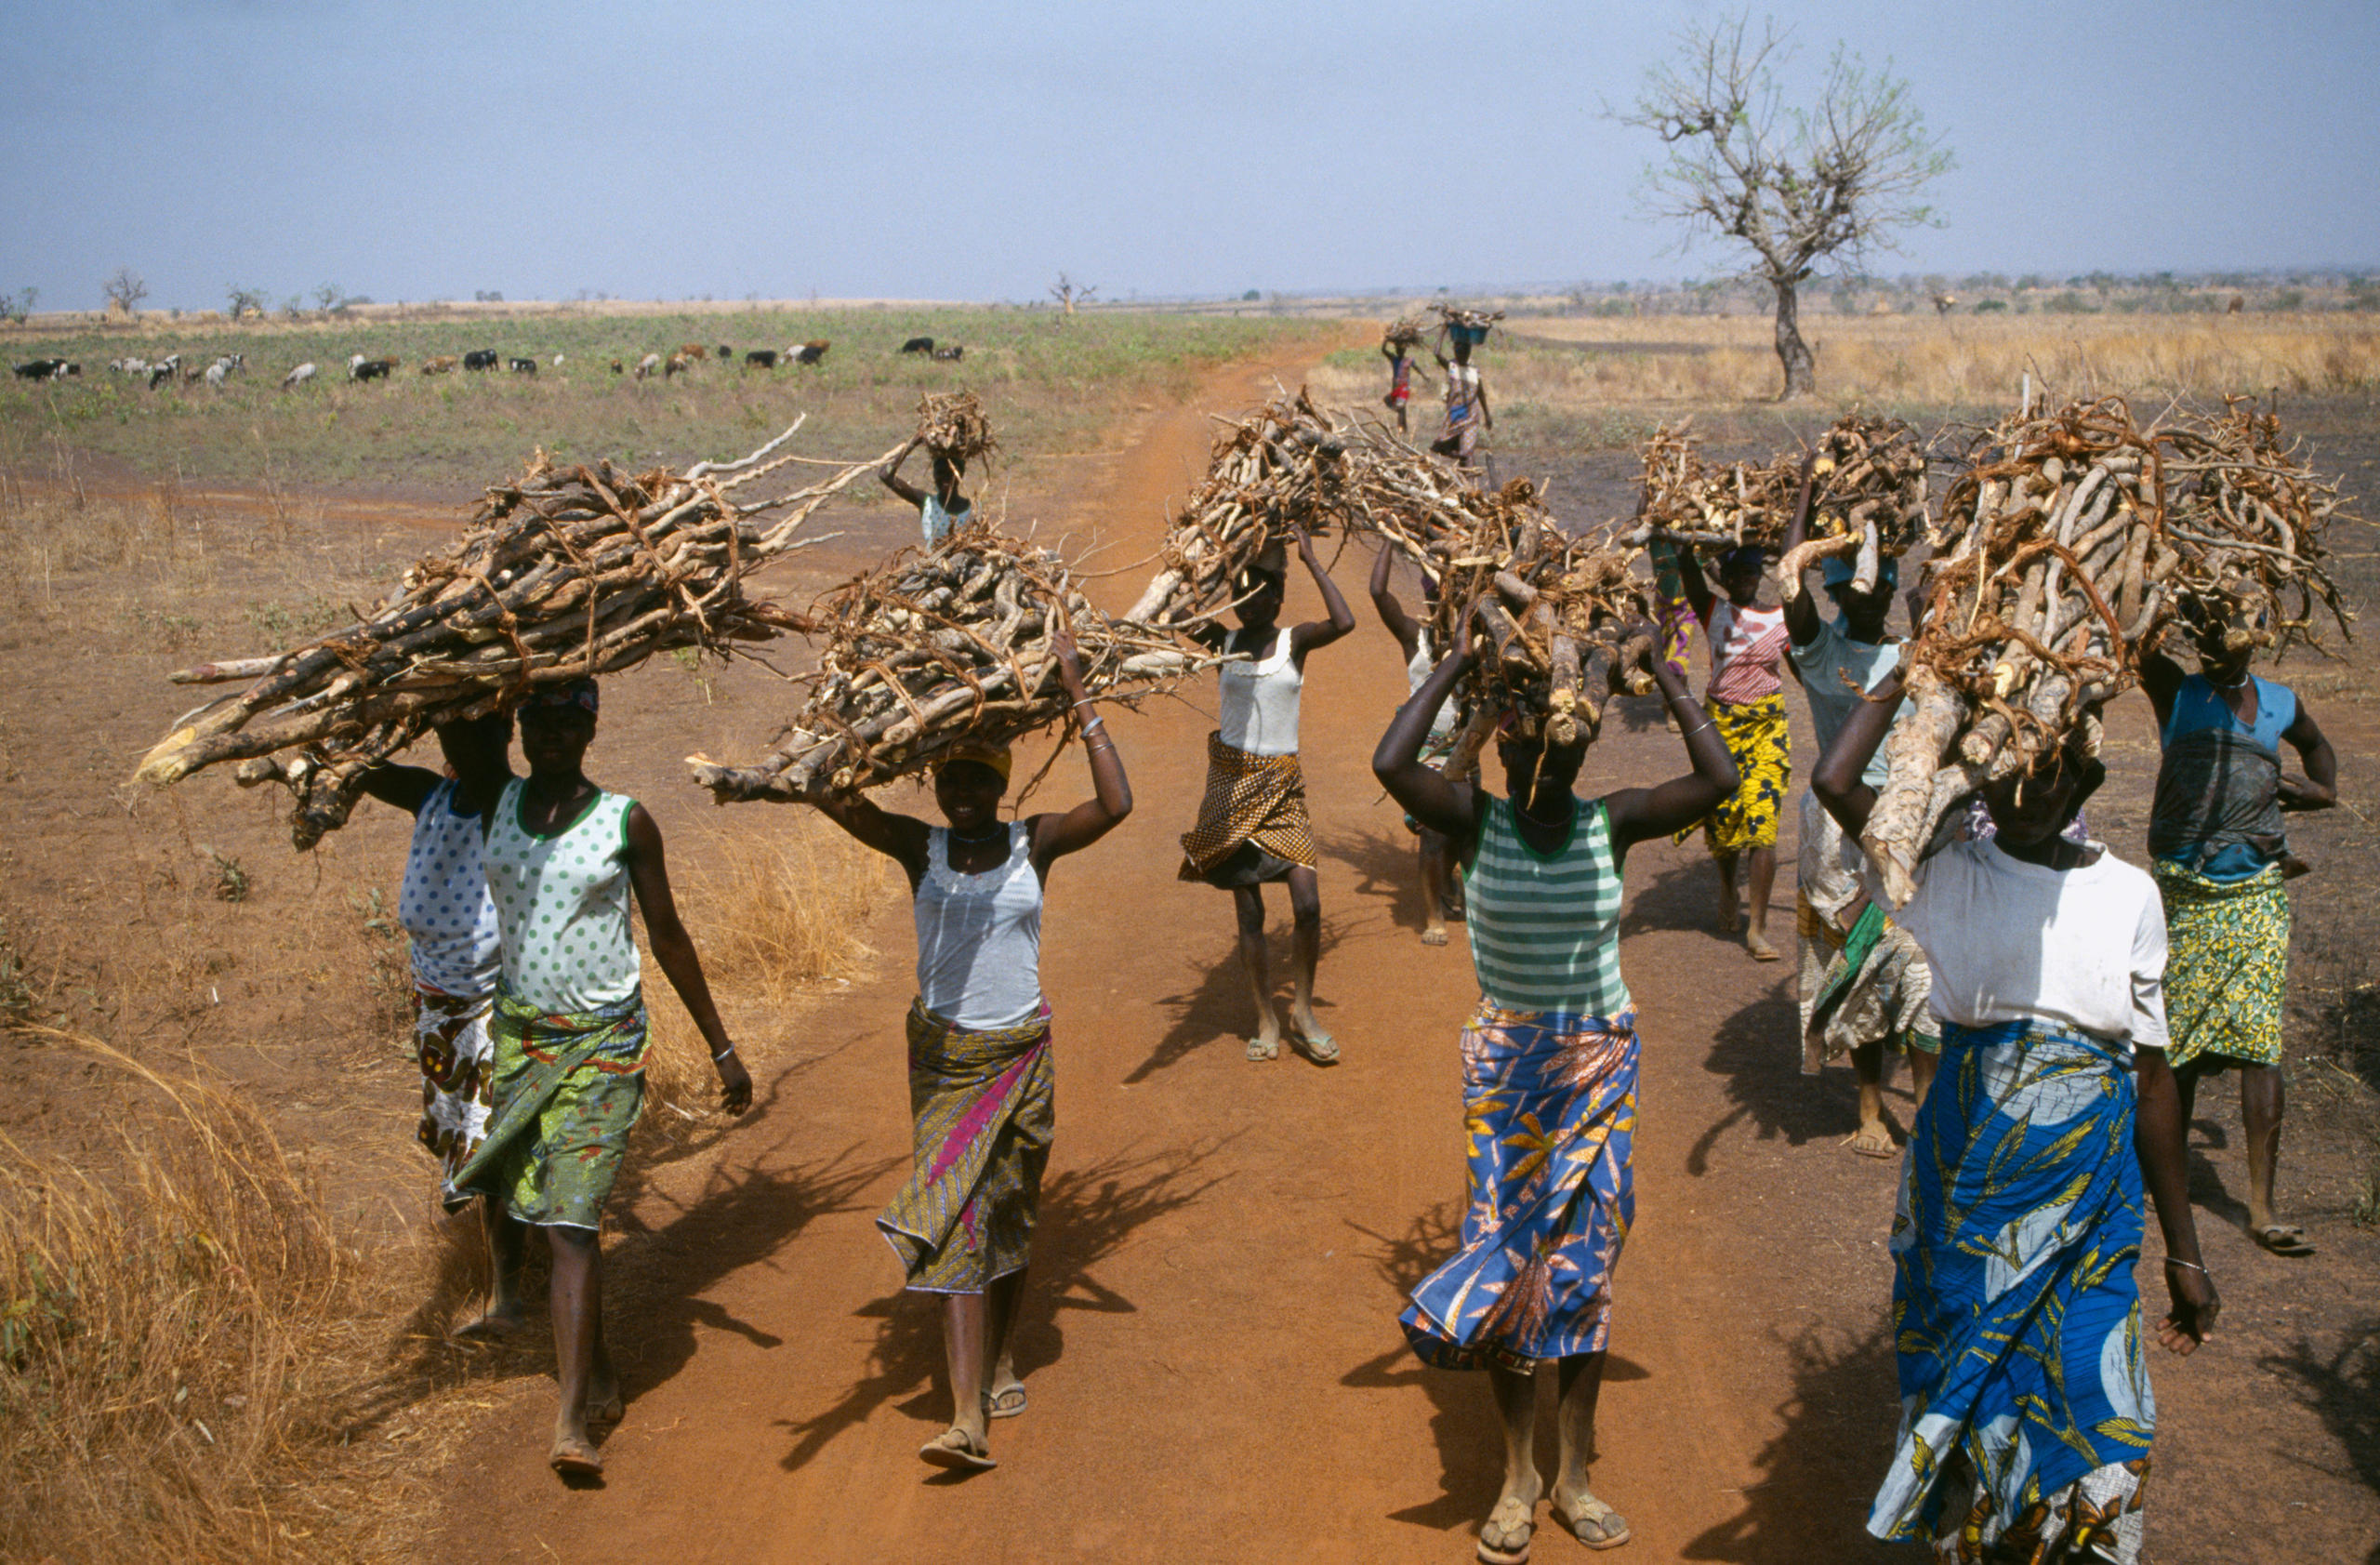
x: 1210, y: 1338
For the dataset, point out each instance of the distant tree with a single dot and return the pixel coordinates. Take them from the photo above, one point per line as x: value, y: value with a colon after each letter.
x: 487, y: 296
x: 125, y: 290
x: 240, y: 303
x: 1069, y: 293
x: 1250, y: 297
x: 1799, y: 188
x: 17, y: 306
x: 294, y: 307
x: 327, y: 298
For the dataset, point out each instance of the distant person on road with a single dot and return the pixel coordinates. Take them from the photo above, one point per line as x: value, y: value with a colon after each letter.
x: 2218, y: 848
x: 982, y: 1083
x: 945, y: 510
x: 1864, y: 984
x: 563, y: 857
x: 1399, y: 351
x: 2026, y: 1414
x: 1548, y: 1080
x: 1468, y: 414
x: 450, y: 925
x: 1253, y: 824
x: 1441, y: 891
x: 1745, y: 698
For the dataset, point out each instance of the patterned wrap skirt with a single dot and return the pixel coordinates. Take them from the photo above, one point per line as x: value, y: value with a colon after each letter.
x: 1253, y: 821
x: 2026, y: 1412
x: 1866, y: 984
x: 451, y: 1042
x: 1755, y: 735
x: 983, y: 1106
x: 1550, y: 1120
x: 567, y: 1087
x: 2226, y: 967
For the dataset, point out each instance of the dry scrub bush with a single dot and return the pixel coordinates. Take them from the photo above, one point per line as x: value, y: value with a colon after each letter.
x: 781, y: 910
x: 180, y: 1334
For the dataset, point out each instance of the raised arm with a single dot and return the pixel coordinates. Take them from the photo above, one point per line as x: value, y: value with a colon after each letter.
x: 2162, y: 677
x: 1837, y: 780
x: 408, y: 788
x: 1056, y: 836
x: 1690, y: 576
x: 674, y: 949
x: 1639, y: 812
x: 890, y: 474
x: 1452, y: 809
x: 1400, y: 624
x: 1802, y: 622
x: 1318, y: 632
x: 2318, y: 789
x: 902, y: 838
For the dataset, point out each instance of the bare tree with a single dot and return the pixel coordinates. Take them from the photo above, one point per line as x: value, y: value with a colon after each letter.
x: 1069, y: 293
x: 240, y: 303
x: 15, y: 307
x: 1798, y: 187
x: 328, y: 297
x: 125, y: 290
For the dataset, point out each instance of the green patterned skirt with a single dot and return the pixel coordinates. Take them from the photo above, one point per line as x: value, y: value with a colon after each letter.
x: 2226, y: 967
x: 567, y: 1089
x: 984, y: 1105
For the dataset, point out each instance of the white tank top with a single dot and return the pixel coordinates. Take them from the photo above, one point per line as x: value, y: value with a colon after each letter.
x: 1416, y: 673
x: 1260, y: 702
x: 979, y: 936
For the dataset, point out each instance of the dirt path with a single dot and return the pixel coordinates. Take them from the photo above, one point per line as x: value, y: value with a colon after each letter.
x: 1210, y: 1338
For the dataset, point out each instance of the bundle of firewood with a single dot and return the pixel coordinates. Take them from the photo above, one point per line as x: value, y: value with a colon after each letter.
x: 952, y: 424
x: 562, y: 573
x: 1868, y: 495
x: 942, y: 648
x: 1404, y: 332
x: 2066, y: 548
x: 1475, y: 320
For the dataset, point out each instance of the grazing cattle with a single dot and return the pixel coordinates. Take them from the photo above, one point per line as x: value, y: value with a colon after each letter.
x: 951, y: 354
x: 2238, y: 304
x: 442, y: 364
x: 557, y: 361
x: 692, y: 351
x: 726, y: 354
x: 647, y: 365
x: 918, y: 345
x: 41, y: 369
x: 679, y: 365
x: 362, y: 368
x: 1945, y: 303
x: 129, y: 367
x: 761, y: 358
x: 522, y: 366
x: 220, y: 370
x: 617, y: 366
x: 165, y: 369
x: 810, y: 352
x: 298, y: 377
x: 480, y: 358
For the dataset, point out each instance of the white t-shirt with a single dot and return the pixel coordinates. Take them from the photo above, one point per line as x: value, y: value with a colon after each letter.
x: 2010, y: 941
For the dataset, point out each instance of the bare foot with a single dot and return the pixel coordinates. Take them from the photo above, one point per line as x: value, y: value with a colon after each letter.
x: 1434, y: 936
x: 604, y: 1403
x: 573, y: 1455
x: 1730, y: 918
x: 1873, y: 1140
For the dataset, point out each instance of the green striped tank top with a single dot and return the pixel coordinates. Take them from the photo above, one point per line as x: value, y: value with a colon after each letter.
x: 1545, y: 927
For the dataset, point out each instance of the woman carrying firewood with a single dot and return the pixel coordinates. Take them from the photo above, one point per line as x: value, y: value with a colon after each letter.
x: 1466, y: 395
x: 450, y: 925
x: 2217, y: 847
x: 943, y: 509
x: 2026, y: 1412
x: 1397, y: 349
x: 1441, y: 892
x: 563, y: 857
x: 982, y: 1083
x: 1549, y: 1077
x: 1745, y: 698
x: 1252, y: 822
x: 1864, y: 983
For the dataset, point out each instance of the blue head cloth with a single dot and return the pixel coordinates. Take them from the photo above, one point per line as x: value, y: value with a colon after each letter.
x: 1840, y: 568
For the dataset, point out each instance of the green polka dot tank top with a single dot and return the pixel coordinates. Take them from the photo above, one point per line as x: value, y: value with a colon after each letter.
x: 562, y: 903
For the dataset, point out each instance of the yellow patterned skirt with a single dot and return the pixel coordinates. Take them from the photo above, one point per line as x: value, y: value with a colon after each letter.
x: 2226, y: 965
x: 1755, y: 735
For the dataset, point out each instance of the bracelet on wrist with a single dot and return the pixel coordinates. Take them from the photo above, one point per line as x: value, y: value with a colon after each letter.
x: 724, y: 1054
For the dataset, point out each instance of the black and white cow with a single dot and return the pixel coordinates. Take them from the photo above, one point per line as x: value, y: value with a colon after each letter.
x: 522, y: 366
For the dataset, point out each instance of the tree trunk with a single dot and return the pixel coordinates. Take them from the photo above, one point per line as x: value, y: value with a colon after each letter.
x: 1801, y: 370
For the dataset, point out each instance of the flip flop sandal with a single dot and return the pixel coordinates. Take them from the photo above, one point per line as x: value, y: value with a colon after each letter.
x: 1509, y: 1514
x: 1259, y: 1051
x: 1322, y: 1049
x: 1007, y: 1402
x: 954, y: 1451
x: 575, y: 1459
x: 2284, y: 1239
x: 609, y: 1411
x: 1587, y: 1511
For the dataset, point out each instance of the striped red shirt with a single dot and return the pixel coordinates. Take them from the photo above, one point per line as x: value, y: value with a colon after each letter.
x: 1745, y: 647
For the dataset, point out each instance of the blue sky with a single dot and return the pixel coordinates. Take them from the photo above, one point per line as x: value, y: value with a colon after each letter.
x: 964, y: 150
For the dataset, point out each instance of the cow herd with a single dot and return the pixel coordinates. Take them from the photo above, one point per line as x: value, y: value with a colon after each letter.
x: 680, y: 360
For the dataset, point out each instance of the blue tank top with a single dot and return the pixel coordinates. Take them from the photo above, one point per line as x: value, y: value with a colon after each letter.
x: 2218, y: 786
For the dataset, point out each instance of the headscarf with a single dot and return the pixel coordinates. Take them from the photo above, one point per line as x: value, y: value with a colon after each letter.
x: 995, y: 756
x: 577, y: 692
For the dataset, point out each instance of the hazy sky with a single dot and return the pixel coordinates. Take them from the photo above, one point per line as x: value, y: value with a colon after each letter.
x: 958, y: 150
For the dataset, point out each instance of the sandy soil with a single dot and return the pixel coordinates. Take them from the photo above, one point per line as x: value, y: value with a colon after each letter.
x: 1209, y: 1338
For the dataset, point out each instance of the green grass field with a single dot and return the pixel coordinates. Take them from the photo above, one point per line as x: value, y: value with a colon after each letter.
x: 1051, y: 384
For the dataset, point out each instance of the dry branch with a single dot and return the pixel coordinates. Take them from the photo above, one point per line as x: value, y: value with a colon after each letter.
x: 563, y: 573
x: 1870, y: 495
x: 953, y: 424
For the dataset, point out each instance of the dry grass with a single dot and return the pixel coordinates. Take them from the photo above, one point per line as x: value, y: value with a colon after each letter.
x: 181, y: 1338
x: 781, y: 909
x: 1565, y: 365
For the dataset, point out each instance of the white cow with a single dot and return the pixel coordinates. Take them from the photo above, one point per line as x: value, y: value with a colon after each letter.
x: 298, y: 377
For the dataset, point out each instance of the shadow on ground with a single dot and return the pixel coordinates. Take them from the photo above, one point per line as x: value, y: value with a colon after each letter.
x: 2341, y: 1388
x: 1218, y: 1009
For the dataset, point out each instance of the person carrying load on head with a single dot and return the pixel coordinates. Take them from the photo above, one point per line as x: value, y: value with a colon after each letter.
x: 457, y: 954
x: 1468, y: 414
x: 2218, y: 848
x: 2026, y: 1417
x: 1253, y: 825
x: 1745, y: 697
x: 943, y: 509
x: 982, y: 1083
x: 1549, y: 1077
x: 564, y: 858
x: 1398, y: 350
x: 1864, y: 984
